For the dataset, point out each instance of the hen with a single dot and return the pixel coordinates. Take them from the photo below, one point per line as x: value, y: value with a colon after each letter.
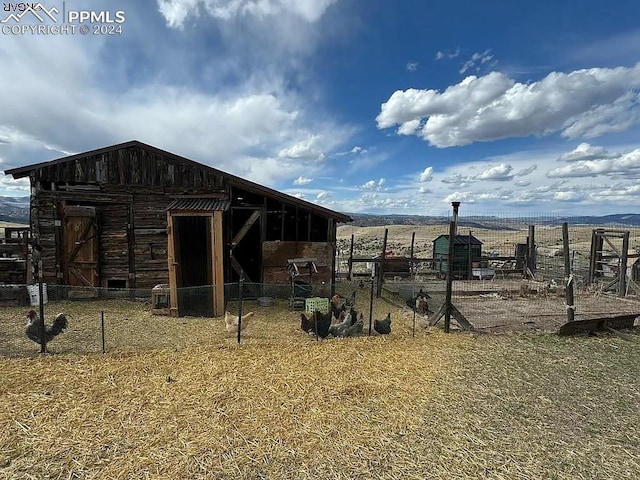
x: 339, y: 329
x: 383, y: 327
x: 317, y: 320
x: 33, y: 327
x: 355, y: 329
x: 419, y: 303
x: 231, y: 321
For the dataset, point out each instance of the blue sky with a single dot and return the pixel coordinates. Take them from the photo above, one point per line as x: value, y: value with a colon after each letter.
x: 360, y: 106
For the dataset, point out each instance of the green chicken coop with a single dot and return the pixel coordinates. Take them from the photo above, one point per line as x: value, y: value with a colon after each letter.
x: 467, y: 254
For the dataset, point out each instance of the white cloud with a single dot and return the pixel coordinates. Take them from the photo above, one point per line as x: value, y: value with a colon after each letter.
x: 448, y: 55
x: 412, y: 66
x: 381, y: 182
x: 587, y: 102
x: 306, y: 149
x: 584, y: 151
x: 426, y: 175
x: 625, y: 163
x: 302, y: 180
x: 176, y: 12
x: 477, y: 60
x: 424, y: 190
x: 499, y: 172
x: 526, y: 171
x: 369, y: 185
x: 323, y: 195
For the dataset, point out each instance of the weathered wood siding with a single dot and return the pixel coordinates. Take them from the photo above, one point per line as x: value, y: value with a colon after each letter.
x: 130, y: 189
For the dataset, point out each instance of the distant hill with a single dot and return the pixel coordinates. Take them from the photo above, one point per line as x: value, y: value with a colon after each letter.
x: 14, y: 209
x: 493, y: 222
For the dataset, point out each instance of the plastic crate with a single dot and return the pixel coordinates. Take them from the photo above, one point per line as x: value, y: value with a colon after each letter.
x: 317, y: 303
x: 34, y: 294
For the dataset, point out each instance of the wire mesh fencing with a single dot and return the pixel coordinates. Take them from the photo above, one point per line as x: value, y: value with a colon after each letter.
x: 506, y: 275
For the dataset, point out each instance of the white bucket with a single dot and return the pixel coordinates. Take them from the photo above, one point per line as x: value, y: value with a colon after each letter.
x: 34, y: 294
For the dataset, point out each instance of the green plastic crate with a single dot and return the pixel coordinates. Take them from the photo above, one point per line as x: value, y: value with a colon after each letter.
x: 317, y: 303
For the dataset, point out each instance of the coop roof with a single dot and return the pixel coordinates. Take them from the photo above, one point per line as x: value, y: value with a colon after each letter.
x: 200, y: 204
x: 25, y: 171
x: 460, y: 239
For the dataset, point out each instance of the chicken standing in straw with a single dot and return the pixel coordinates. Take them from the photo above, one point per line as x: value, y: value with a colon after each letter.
x: 50, y: 332
x: 231, y: 321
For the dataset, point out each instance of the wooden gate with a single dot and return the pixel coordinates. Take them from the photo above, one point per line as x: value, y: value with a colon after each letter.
x: 80, y: 262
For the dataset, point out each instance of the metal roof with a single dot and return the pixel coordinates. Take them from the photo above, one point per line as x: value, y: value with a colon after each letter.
x: 200, y: 204
x: 461, y: 239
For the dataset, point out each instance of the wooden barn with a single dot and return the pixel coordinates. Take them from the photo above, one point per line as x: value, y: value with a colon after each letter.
x: 134, y: 216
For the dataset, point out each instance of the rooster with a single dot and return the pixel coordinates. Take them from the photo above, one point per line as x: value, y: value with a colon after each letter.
x: 231, y: 321
x: 33, y: 327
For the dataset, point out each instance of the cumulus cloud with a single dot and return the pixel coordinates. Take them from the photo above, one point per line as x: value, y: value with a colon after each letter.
x: 306, y: 149
x: 584, y: 151
x: 588, y: 102
x: 176, y: 12
x: 302, y: 180
x: 412, y: 66
x: 624, y: 163
x: 372, y: 184
x: 424, y: 190
x: 499, y: 172
x: 323, y: 195
x: 426, y: 175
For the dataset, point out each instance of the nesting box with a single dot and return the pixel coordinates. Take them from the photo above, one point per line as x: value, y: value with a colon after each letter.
x: 160, y: 300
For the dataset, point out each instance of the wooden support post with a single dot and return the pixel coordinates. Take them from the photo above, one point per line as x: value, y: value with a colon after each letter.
x: 413, y: 280
x: 622, y: 283
x: 567, y: 274
x: 531, y: 251
x: 469, y: 259
x: 350, y: 274
x: 380, y: 272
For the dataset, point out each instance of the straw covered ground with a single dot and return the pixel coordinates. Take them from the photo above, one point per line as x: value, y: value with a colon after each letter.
x: 430, y: 406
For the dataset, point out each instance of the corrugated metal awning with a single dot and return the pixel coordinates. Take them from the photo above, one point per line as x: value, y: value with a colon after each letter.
x: 200, y: 204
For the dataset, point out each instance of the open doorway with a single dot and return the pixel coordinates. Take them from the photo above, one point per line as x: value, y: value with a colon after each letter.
x: 194, y: 276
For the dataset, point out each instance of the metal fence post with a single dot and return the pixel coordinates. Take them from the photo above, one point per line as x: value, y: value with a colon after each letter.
x: 240, y: 307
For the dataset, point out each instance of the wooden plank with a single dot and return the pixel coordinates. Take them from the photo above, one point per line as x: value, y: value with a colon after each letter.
x: 592, y: 325
x: 245, y: 228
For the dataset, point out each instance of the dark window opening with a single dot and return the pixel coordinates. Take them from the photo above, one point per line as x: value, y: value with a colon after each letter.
x: 290, y: 232
x: 319, y: 229
x: 303, y: 226
x: 116, y: 284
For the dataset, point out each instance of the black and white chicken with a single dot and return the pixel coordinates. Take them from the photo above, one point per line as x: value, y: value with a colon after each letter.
x: 50, y: 332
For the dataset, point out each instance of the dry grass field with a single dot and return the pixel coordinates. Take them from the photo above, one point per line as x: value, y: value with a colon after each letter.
x: 177, y: 398
x: 281, y: 405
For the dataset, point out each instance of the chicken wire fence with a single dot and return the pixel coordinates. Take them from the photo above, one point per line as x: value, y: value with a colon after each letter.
x: 500, y: 289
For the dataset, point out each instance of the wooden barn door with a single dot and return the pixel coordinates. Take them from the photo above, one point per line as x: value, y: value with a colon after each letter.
x: 81, y: 250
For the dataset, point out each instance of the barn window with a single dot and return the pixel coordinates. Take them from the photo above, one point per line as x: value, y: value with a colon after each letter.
x: 116, y: 284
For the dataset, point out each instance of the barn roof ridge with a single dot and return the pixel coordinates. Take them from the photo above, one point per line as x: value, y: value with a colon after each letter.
x: 24, y: 171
